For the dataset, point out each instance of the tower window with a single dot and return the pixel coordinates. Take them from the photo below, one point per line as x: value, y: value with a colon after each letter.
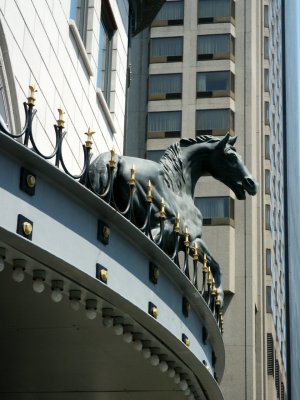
x: 266, y: 16
x: 267, y: 113
x: 213, y: 11
x: 166, y: 49
x: 164, y: 124
x: 214, y: 122
x: 165, y: 86
x: 216, y: 210
x: 267, y: 181
x: 267, y: 147
x: 268, y: 216
x: 269, y: 261
x: 215, y: 47
x: 266, y: 48
x: 215, y: 84
x: 171, y: 13
x: 267, y: 80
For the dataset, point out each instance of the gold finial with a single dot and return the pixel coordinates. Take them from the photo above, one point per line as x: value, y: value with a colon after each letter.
x: 177, y: 224
x: 162, y: 211
x: 113, y: 153
x: 112, y: 161
x: 132, y: 176
x: 186, y: 241
x: 218, y: 301
x: 60, y: 121
x: 195, y: 252
x: 213, y: 288
x: 89, y: 142
x: 204, y: 268
x: 209, y: 277
x: 31, y: 96
x: 149, y: 192
x: 221, y: 316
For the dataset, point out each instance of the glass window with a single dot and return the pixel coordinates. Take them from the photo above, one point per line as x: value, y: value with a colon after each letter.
x: 267, y: 113
x: 164, y: 124
x: 172, y: 13
x: 269, y: 299
x: 165, y: 86
x: 269, y: 261
x: 106, y: 32
x: 215, y: 11
x: 267, y: 147
x: 266, y: 80
x: 268, y: 216
x: 79, y: 13
x: 267, y: 181
x: 215, y: 47
x: 266, y: 16
x: 219, y: 83
x: 214, y: 122
x: 166, y: 49
x: 216, y: 210
x: 266, y: 48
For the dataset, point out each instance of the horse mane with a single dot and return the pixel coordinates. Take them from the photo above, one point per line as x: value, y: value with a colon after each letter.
x: 171, y: 161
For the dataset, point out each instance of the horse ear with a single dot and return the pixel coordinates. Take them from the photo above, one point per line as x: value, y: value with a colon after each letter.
x: 222, y: 144
x: 232, y: 140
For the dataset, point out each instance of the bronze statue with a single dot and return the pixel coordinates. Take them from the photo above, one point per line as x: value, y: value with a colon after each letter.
x: 173, y: 178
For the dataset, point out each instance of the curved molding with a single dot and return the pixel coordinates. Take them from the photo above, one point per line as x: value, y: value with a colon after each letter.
x: 83, y: 198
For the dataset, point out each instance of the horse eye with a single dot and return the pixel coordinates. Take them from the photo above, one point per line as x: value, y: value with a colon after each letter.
x: 232, y: 158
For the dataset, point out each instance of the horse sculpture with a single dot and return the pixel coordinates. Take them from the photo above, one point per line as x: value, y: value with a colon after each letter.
x: 174, y: 179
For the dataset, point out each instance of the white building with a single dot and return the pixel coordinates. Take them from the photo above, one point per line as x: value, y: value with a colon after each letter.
x: 90, y: 307
x: 77, y: 58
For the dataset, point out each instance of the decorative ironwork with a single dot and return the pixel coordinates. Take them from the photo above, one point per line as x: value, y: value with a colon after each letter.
x: 60, y: 134
x: 208, y: 289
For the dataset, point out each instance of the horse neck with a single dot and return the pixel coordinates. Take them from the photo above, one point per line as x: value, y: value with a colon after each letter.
x: 194, y: 161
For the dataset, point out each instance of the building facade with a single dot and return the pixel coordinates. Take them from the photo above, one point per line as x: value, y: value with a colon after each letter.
x: 216, y: 67
x: 91, y: 308
x: 292, y: 194
x: 64, y: 41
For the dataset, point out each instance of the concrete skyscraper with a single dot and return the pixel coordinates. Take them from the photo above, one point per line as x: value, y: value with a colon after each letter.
x: 211, y: 67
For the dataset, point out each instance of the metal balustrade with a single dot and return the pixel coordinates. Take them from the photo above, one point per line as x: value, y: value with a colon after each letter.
x: 208, y: 288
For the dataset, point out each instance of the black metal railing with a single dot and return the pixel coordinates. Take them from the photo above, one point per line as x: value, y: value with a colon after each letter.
x: 207, y: 287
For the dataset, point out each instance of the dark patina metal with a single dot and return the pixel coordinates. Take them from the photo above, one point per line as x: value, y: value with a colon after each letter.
x: 144, y: 12
x: 158, y: 197
x: 177, y: 225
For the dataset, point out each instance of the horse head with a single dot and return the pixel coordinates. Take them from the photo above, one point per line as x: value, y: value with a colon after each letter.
x: 227, y: 166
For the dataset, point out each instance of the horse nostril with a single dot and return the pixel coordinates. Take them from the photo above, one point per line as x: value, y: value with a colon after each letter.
x: 249, y: 182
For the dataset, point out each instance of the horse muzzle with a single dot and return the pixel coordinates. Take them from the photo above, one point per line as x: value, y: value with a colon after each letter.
x: 250, y: 185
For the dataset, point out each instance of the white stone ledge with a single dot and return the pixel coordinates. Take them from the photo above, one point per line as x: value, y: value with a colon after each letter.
x: 106, y: 110
x: 81, y: 47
